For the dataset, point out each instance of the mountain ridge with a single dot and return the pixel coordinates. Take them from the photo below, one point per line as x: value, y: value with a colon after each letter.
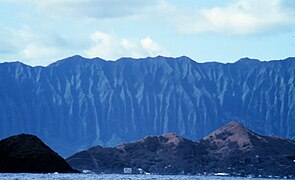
x: 224, y: 150
x: 77, y: 56
x: 76, y: 103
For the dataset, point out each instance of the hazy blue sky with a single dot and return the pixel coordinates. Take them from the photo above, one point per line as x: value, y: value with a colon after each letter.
x: 38, y: 32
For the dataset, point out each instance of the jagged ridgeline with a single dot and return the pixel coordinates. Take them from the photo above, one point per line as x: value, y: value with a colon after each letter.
x: 77, y: 103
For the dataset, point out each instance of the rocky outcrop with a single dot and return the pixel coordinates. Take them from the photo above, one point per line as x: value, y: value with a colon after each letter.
x: 28, y: 154
x: 77, y: 103
x: 232, y: 149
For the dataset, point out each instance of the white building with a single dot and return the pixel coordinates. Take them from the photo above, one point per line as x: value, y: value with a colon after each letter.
x: 128, y: 170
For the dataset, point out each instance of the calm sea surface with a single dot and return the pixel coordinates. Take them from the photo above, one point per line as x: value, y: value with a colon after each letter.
x: 26, y: 176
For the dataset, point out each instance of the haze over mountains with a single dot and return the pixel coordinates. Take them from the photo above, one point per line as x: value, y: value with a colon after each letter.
x: 77, y: 103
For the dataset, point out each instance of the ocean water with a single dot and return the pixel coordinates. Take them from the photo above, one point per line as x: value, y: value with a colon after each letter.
x: 28, y: 176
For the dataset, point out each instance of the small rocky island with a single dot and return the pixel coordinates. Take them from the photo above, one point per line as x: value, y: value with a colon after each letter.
x: 231, y: 150
x: 28, y: 154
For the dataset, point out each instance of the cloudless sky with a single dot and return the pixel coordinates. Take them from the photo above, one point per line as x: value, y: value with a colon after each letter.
x: 39, y: 32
